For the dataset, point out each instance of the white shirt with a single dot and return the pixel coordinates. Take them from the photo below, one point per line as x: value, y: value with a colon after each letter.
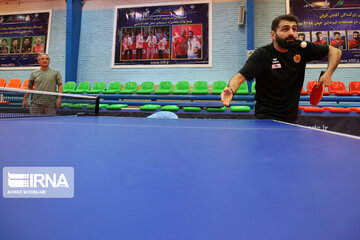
x: 192, y: 44
x: 151, y: 41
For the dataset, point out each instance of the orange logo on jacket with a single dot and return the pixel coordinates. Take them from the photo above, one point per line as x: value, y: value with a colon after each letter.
x: 297, y: 58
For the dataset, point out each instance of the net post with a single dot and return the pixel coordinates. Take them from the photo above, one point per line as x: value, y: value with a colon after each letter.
x: 97, y: 103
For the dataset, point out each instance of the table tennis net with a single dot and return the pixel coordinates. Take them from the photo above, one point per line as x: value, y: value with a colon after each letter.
x: 41, y: 103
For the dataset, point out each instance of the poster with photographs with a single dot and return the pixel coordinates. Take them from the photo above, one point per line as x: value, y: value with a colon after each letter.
x: 23, y: 36
x: 172, y: 35
x: 332, y: 22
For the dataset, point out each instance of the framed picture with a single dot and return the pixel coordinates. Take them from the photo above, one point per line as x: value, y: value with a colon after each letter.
x: 158, y: 35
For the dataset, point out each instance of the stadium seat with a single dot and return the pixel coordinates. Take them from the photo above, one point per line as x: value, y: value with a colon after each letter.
x: 116, y: 106
x: 129, y: 87
x: 354, y: 87
x: 114, y: 87
x: 99, y: 87
x: 25, y: 84
x: 310, y: 86
x: 92, y: 106
x: 170, y: 108
x: 146, y: 88
x: 69, y: 87
x: 215, y: 109
x: 182, y: 87
x: 218, y: 87
x: 243, y: 89
x: 338, y: 109
x: 150, y: 107
x: 14, y: 83
x: 313, y: 109
x: 2, y: 82
x: 253, y: 89
x: 303, y: 92
x: 339, y: 88
x: 165, y: 87
x: 76, y: 105
x: 240, y: 108
x: 355, y: 109
x: 192, y: 109
x: 82, y: 87
x: 201, y: 87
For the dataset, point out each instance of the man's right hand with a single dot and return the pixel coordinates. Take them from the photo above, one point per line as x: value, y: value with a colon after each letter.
x: 226, y: 96
x: 24, y: 104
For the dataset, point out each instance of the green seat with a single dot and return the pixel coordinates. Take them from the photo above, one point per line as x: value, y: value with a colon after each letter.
x: 243, y: 89
x: 165, y: 87
x: 218, y: 87
x: 64, y: 105
x: 92, y: 106
x: 170, y: 108
x: 129, y: 87
x: 82, y: 87
x: 146, y: 88
x: 213, y: 109
x: 114, y: 87
x: 116, y: 106
x: 192, y: 109
x: 150, y: 107
x: 98, y: 87
x: 201, y: 87
x: 69, y: 87
x: 240, y: 108
x: 253, y: 90
x: 76, y: 105
x: 182, y: 87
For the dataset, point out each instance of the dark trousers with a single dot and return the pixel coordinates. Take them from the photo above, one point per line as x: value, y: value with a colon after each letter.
x: 139, y: 52
x: 130, y: 54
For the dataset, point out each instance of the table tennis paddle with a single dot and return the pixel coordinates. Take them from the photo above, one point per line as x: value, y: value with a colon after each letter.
x: 317, y: 92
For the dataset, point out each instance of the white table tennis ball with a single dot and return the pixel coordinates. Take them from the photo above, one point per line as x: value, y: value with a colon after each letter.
x: 303, y: 44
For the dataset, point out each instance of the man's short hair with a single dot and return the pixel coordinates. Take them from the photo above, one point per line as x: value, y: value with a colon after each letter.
x: 317, y: 33
x: 191, y: 31
x: 4, y: 40
x: 288, y: 17
x: 301, y: 34
x: 355, y: 32
x: 40, y: 54
x: 336, y: 33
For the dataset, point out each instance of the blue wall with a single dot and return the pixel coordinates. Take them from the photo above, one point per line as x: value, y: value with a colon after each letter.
x: 229, y: 50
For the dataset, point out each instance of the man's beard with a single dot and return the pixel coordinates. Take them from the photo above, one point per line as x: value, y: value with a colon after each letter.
x: 284, y: 42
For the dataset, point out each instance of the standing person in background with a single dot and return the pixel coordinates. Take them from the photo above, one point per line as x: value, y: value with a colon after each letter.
x: 194, y: 46
x: 139, y: 45
x: 127, y: 43
x: 180, y: 45
x: 162, y: 45
x: 279, y: 69
x: 44, y: 79
x: 151, y: 41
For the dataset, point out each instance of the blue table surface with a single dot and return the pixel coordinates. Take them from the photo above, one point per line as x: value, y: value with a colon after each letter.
x: 138, y: 178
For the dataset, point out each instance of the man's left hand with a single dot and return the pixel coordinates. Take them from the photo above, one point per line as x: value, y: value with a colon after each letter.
x: 58, y: 103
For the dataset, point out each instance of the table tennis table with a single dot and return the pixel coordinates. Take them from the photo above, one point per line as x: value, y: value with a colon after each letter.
x: 139, y: 178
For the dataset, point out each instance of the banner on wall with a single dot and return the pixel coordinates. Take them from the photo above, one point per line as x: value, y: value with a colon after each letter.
x: 172, y: 35
x: 23, y: 36
x: 332, y: 22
